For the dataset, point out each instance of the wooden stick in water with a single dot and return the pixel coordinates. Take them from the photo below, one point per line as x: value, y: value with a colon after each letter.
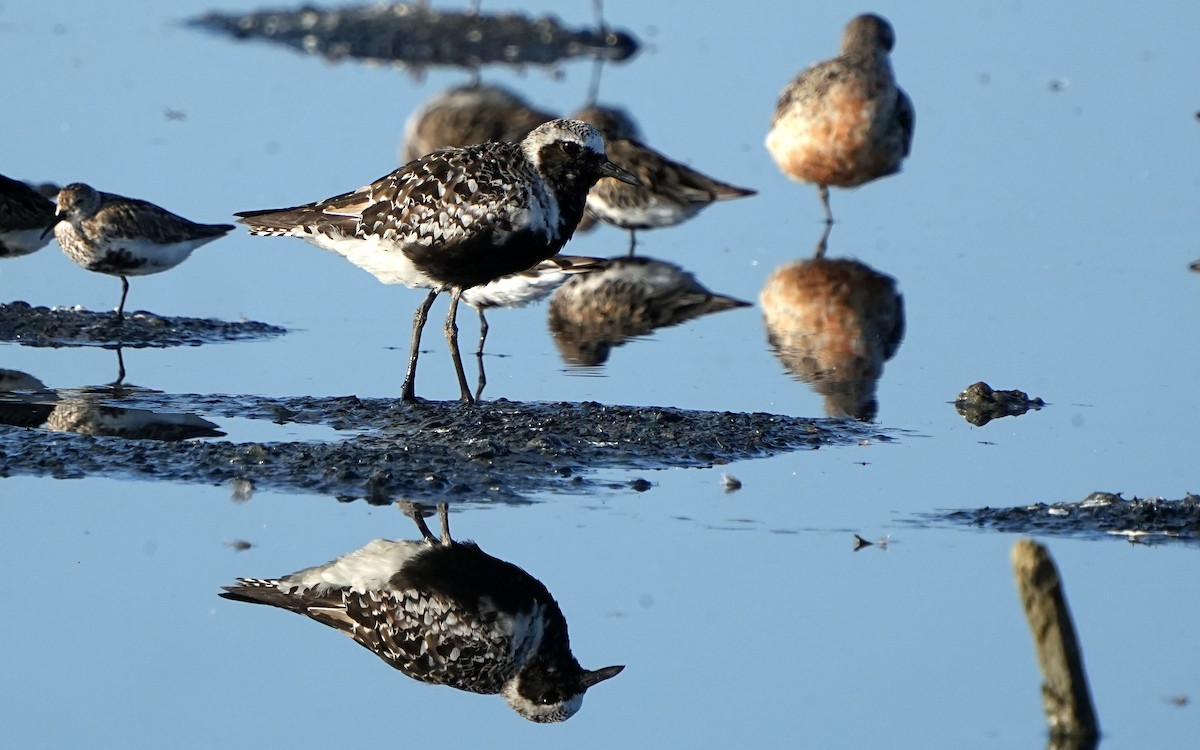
x: 1065, y: 694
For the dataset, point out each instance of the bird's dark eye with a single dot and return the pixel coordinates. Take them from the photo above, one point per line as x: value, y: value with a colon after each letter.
x: 551, y: 698
x: 571, y: 148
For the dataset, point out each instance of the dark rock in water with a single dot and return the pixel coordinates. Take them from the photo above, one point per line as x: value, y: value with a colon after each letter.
x: 495, y: 450
x: 1099, y: 515
x: 418, y: 36
x: 979, y: 403
x: 21, y: 323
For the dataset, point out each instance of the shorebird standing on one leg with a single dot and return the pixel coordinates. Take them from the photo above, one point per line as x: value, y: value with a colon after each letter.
x: 458, y: 218
x: 123, y: 236
x: 844, y: 122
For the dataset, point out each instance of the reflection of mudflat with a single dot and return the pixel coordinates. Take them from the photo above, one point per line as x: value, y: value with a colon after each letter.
x: 26, y: 402
x: 24, y: 324
x: 833, y: 323
x: 417, y: 36
x: 445, y: 613
x: 594, y: 312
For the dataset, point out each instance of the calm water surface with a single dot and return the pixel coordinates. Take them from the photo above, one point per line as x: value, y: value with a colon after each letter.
x: 1040, y: 234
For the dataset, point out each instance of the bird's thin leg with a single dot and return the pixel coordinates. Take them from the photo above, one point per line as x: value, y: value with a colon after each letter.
x: 452, y: 342
x: 632, y: 241
x: 120, y: 368
x: 124, y: 294
x: 483, y: 331
x: 824, y: 192
x: 823, y: 243
x: 422, y: 314
x: 444, y: 517
x: 416, y: 512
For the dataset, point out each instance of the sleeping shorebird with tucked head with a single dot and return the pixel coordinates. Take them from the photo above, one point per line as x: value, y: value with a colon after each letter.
x: 844, y: 122
x: 467, y: 115
x: 670, y: 193
x: 124, y: 237
x: 457, y: 218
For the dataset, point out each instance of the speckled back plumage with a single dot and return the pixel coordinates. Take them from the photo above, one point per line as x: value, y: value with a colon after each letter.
x: 462, y: 217
x: 844, y: 122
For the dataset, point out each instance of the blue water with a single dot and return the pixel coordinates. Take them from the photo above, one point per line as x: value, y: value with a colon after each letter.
x: 1040, y: 235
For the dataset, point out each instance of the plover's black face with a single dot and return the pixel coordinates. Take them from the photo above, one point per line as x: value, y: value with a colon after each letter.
x: 571, y: 152
x: 553, y: 695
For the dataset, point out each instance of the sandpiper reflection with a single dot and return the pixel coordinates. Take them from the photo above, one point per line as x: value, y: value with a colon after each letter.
x: 445, y: 613
x: 594, y: 312
x: 833, y: 322
x: 25, y: 401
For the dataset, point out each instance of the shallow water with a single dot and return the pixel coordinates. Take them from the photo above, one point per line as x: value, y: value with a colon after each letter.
x: 1040, y: 234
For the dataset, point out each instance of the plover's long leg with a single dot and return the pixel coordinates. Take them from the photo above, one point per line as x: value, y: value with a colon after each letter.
x: 124, y: 294
x: 416, y: 512
x: 483, y: 332
x: 422, y: 314
x: 444, y: 517
x: 452, y: 342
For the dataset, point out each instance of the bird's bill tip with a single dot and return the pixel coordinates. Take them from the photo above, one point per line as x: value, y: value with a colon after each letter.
x: 608, y: 169
x: 600, y: 675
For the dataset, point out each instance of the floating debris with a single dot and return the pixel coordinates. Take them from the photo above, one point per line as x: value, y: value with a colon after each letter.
x: 21, y: 323
x: 238, y: 545
x: 417, y: 36
x: 979, y: 403
x: 730, y: 483
x: 1101, y: 515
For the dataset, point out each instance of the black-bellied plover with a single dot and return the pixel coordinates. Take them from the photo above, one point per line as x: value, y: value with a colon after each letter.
x: 457, y: 218
x: 833, y: 323
x: 844, y: 122
x: 445, y: 613
x: 24, y: 216
x: 124, y: 237
x: 670, y: 192
x: 466, y: 116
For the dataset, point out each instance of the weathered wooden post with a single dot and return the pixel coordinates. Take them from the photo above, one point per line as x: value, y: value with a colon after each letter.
x: 1066, y: 698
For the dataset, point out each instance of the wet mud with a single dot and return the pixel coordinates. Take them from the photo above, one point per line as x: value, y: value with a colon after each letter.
x: 22, y: 323
x: 494, y: 450
x: 1101, y: 515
